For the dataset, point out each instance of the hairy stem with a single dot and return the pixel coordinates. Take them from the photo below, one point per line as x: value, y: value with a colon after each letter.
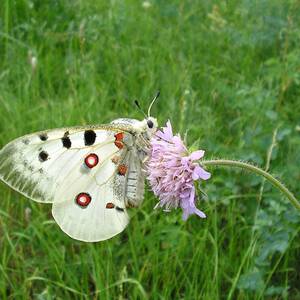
x: 257, y: 171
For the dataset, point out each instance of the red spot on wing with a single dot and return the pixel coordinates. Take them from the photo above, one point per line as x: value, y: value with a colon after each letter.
x: 110, y: 205
x: 119, y: 140
x: 122, y: 169
x: 119, y: 144
x: 83, y: 199
x: 119, y: 136
x: 91, y: 160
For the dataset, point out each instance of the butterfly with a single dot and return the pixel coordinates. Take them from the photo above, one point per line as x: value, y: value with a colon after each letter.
x: 90, y: 174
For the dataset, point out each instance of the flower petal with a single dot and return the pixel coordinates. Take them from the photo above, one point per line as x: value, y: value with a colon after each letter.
x: 197, y: 154
x: 200, y: 173
x: 192, y: 196
x: 200, y: 213
x: 190, y: 209
x: 168, y: 133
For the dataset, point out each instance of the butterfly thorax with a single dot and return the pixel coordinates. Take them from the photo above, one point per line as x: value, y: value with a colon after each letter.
x: 141, y: 131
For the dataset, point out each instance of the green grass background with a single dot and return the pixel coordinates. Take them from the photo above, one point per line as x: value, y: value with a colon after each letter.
x: 228, y: 72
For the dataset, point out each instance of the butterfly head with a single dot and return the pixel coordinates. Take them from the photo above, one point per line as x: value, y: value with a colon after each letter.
x: 149, y: 125
x: 146, y: 127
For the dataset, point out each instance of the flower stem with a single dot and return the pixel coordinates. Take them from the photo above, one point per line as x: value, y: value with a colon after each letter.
x: 257, y: 171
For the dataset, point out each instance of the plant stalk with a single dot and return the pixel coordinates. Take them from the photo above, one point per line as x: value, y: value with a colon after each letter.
x: 257, y: 171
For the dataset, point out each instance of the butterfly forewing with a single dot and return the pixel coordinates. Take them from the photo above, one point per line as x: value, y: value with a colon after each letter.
x: 42, y: 165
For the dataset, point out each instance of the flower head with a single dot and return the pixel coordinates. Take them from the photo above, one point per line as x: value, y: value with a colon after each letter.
x: 172, y: 172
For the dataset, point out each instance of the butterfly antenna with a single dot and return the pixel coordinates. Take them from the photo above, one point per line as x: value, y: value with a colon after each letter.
x: 151, y: 104
x: 139, y: 108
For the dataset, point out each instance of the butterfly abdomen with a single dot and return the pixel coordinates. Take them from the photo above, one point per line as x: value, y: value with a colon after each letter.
x: 135, y: 184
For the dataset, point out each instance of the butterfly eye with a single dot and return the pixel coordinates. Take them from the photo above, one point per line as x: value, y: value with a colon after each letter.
x: 150, y: 123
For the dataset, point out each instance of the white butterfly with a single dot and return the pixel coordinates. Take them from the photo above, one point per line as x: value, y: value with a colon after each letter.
x: 90, y: 174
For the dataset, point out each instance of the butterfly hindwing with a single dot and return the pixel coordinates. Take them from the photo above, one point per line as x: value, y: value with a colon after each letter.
x: 105, y: 215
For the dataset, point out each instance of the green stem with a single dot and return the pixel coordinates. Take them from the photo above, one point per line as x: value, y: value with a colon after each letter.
x: 257, y: 171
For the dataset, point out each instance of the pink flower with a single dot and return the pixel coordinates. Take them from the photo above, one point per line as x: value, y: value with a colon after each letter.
x: 172, y: 172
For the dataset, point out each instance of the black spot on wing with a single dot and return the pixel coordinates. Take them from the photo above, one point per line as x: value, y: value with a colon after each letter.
x: 66, y: 141
x: 89, y: 137
x: 43, y: 156
x: 120, y: 209
x: 43, y: 137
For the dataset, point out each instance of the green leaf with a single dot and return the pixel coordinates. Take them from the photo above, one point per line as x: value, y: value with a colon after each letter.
x: 252, y: 281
